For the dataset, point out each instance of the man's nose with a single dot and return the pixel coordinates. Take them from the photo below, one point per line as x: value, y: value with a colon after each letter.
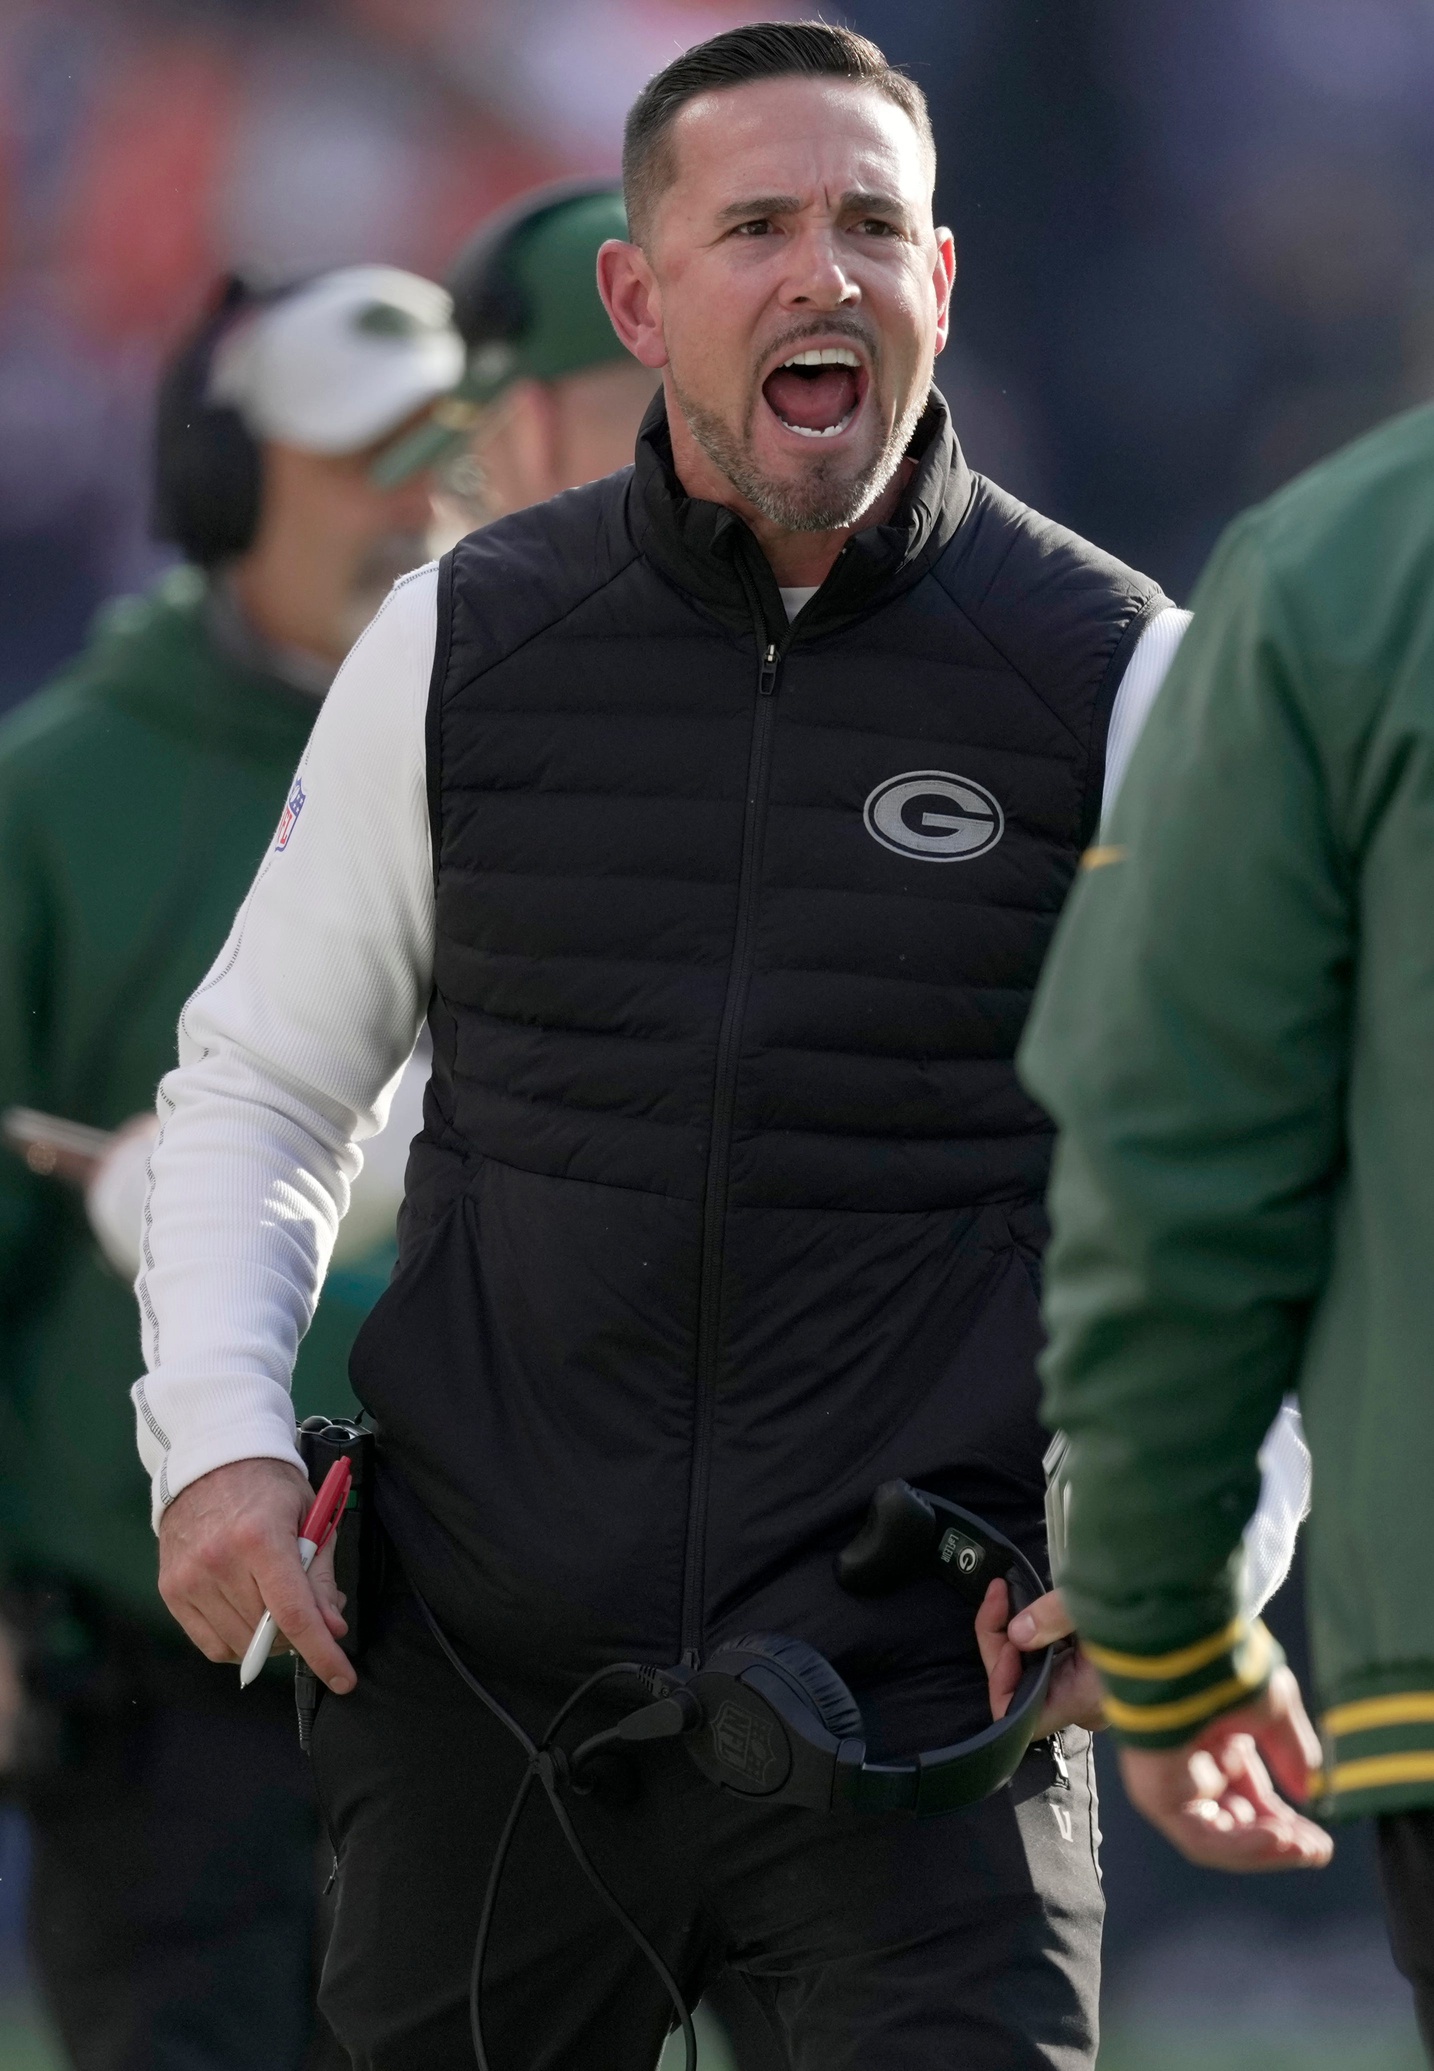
x: 816, y: 278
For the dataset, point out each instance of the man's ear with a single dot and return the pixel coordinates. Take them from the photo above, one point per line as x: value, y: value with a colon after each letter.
x: 943, y: 280
x: 632, y: 299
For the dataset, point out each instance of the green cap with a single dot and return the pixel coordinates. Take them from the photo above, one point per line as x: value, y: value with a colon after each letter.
x: 525, y: 301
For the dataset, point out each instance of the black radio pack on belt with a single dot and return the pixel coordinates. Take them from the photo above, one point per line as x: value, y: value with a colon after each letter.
x: 358, y: 1548
x: 768, y: 1717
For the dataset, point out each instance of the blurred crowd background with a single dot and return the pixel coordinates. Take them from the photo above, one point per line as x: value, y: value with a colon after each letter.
x: 1197, y: 253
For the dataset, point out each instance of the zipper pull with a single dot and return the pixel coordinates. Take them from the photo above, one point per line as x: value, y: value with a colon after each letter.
x: 767, y: 681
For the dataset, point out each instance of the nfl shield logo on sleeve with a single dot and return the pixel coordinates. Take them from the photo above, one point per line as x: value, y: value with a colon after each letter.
x: 291, y: 815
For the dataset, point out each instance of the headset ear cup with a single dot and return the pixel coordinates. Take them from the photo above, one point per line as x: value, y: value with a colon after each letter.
x: 829, y: 1696
x: 207, y: 467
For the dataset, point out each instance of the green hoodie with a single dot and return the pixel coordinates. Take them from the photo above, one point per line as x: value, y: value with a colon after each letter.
x: 137, y: 794
x: 1235, y: 1032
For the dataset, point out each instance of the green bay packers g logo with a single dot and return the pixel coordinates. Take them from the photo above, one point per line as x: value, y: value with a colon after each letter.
x: 932, y: 815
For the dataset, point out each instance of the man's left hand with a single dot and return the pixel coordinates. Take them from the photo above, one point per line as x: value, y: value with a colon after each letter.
x: 1074, y: 1696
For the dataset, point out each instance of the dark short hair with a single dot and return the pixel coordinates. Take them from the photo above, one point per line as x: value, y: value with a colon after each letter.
x: 760, y: 50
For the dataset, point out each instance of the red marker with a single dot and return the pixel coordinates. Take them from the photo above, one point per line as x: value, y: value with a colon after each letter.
x: 317, y: 1529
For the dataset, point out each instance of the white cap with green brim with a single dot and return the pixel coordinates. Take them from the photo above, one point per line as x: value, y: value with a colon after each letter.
x: 335, y: 365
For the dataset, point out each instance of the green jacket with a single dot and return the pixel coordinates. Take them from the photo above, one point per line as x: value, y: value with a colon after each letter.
x: 1235, y: 1032
x: 137, y: 794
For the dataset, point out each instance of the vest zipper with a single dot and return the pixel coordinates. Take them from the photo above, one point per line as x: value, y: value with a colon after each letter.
x: 719, y: 1154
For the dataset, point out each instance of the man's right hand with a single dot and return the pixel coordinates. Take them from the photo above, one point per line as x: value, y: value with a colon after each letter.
x: 229, y: 1551
x: 1074, y: 1695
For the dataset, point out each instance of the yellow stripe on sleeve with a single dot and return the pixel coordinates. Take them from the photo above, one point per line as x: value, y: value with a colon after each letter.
x: 1166, y: 1668
x: 1186, y: 1711
x: 1374, y: 1771
x: 1406, y: 1708
x: 1192, y: 1711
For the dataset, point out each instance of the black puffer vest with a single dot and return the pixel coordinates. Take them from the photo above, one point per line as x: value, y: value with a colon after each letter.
x: 727, y: 1202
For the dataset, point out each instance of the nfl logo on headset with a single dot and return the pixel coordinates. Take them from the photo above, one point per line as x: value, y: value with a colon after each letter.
x: 291, y: 815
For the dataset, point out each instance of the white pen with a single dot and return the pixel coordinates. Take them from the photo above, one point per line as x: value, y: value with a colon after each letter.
x: 318, y: 1527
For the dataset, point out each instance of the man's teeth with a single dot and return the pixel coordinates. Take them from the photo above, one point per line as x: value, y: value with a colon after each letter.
x: 824, y: 356
x: 807, y: 431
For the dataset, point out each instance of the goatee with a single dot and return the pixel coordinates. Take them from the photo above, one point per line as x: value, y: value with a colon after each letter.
x: 824, y: 498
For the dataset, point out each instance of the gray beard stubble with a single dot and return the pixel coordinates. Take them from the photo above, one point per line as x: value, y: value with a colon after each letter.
x: 822, y: 500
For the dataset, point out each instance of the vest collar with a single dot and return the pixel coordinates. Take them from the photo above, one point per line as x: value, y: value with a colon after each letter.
x: 711, y: 553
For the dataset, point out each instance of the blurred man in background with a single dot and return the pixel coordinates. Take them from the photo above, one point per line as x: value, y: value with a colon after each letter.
x: 1235, y: 1034
x: 550, y: 399
x: 172, y: 1908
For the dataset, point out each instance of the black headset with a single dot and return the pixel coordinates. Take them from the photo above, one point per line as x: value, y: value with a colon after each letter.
x: 769, y: 1718
x: 207, y: 472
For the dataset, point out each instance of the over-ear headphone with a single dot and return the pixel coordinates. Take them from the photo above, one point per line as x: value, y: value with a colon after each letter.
x: 778, y: 1723
x: 207, y: 475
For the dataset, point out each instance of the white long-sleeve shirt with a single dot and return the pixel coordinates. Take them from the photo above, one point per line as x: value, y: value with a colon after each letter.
x: 289, y: 1054
x: 290, y: 1051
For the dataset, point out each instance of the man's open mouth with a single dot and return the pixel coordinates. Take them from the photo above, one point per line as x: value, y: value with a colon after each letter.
x: 817, y: 392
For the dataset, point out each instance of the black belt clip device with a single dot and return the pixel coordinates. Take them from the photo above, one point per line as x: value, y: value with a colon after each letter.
x: 322, y: 1441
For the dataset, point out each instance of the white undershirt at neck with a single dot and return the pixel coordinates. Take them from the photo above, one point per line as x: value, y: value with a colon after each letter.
x: 794, y: 600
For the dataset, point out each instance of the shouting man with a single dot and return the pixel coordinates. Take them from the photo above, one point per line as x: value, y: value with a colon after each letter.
x: 717, y: 817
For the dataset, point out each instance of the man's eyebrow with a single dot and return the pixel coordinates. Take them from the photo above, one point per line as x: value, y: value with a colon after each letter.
x: 860, y: 201
x: 763, y: 205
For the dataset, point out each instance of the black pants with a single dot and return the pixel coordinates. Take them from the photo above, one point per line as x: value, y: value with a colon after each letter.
x: 174, y: 1882
x: 969, y: 1941
x: 1406, y: 1871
